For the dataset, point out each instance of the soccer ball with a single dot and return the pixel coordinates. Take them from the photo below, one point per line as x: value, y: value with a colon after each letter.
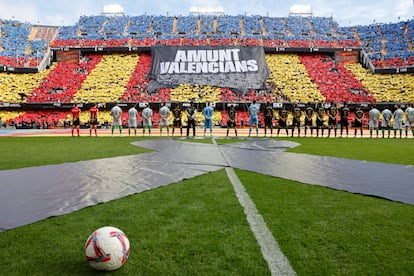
x: 107, y: 248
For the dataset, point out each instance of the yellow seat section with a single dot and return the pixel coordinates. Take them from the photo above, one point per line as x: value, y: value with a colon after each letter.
x: 198, y: 93
x: 107, y: 82
x: 385, y: 87
x: 12, y: 85
x: 289, y: 75
x: 7, y: 115
x: 217, y: 118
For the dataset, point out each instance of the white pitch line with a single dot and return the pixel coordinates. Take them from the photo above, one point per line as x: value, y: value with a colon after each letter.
x: 276, y: 260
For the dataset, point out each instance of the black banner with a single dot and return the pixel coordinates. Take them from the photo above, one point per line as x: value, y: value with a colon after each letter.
x: 241, y: 68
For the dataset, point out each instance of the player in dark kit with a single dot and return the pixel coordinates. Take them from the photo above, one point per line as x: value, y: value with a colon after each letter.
x: 75, y: 111
x: 320, y: 114
x: 344, y: 119
x: 93, y: 120
x: 191, y: 118
x: 268, y: 118
x: 282, y: 122
x: 231, y: 121
x: 177, y: 123
x: 332, y: 112
x: 359, y: 116
x: 296, y: 120
x: 308, y: 118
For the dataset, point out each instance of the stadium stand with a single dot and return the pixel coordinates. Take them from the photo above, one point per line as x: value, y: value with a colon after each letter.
x: 208, y: 25
x: 106, y: 83
x: 63, y: 81
x: 114, y: 62
x: 23, y: 45
x: 16, y: 87
x: 290, y: 76
x: 385, y: 88
x: 197, y: 93
x: 388, y: 45
x: 8, y: 116
x: 335, y: 82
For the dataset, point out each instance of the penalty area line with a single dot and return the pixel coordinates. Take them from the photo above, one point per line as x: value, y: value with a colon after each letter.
x: 276, y: 260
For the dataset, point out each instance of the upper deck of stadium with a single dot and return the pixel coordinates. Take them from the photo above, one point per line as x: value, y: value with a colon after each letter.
x: 24, y: 45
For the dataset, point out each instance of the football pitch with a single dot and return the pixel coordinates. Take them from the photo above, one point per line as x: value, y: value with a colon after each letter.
x: 198, y: 227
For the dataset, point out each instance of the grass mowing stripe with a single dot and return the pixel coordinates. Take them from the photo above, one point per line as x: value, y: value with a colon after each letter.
x: 394, y: 151
x: 277, y: 261
x: 329, y: 232
x: 192, y: 227
x: 21, y: 152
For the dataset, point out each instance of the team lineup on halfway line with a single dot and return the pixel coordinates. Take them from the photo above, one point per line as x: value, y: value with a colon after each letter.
x: 391, y: 124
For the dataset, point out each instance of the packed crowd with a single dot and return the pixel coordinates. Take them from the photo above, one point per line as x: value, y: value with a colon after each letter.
x: 387, y: 45
x: 119, y: 77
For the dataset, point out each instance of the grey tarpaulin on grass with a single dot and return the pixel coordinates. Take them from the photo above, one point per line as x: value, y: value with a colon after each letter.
x: 32, y: 194
x: 394, y: 182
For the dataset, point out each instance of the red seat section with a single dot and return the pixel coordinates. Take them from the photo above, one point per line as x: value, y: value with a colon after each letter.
x: 63, y: 81
x: 41, y: 119
x: 335, y: 82
x: 136, y: 89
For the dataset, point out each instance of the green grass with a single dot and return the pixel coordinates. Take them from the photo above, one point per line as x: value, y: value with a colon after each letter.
x: 393, y: 151
x: 328, y: 232
x: 197, y: 227
x: 396, y: 151
x: 19, y: 152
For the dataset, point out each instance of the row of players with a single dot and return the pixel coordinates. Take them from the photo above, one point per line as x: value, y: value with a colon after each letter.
x: 147, y: 114
x: 344, y: 112
x: 268, y: 114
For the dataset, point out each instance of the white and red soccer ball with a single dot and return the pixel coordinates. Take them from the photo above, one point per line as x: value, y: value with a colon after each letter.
x: 107, y: 248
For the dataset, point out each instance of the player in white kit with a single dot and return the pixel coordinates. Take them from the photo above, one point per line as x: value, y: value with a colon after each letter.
x: 374, y: 115
x: 409, y: 120
x: 116, y: 113
x: 386, y: 121
x: 398, y: 118
x: 164, y: 114
x: 146, y: 120
x: 132, y: 120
